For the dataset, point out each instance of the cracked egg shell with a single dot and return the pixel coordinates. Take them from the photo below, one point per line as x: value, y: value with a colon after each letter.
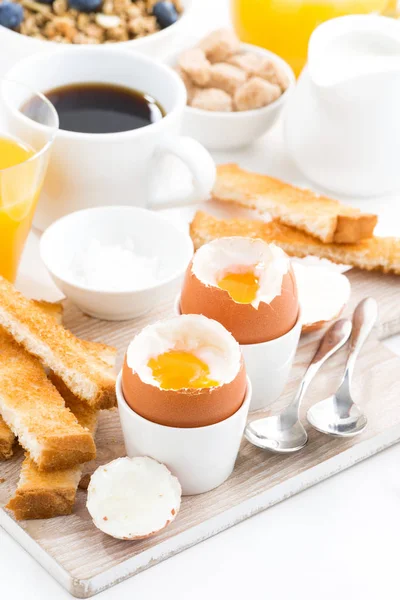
x: 186, y: 407
x: 277, y: 307
x: 133, y: 498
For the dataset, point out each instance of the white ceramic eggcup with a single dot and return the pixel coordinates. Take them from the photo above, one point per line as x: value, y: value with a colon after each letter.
x: 268, y: 364
x: 201, y: 457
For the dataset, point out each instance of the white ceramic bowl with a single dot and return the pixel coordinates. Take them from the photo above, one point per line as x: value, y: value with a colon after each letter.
x: 153, y: 236
x: 226, y: 131
x: 17, y: 46
x: 200, y: 457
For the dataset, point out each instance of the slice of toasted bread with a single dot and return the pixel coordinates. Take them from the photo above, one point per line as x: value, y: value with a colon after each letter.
x: 44, y: 495
x: 35, y: 411
x: 321, y: 217
x: 82, y: 370
x: 7, y: 439
x: 374, y: 254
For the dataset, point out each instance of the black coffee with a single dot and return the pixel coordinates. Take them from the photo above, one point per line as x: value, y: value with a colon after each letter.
x: 102, y: 108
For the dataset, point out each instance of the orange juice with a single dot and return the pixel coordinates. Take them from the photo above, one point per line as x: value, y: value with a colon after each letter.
x: 285, y: 26
x: 19, y: 191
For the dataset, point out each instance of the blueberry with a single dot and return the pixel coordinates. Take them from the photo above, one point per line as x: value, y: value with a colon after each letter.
x: 11, y: 14
x: 165, y: 13
x: 85, y: 5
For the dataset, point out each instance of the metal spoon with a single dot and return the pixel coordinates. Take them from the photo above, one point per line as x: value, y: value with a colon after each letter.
x: 284, y: 433
x: 339, y: 415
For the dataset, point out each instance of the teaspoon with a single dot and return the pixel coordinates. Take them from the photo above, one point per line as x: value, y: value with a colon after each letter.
x: 339, y: 415
x: 284, y: 433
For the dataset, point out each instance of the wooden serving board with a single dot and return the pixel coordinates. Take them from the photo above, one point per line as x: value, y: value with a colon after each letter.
x: 86, y: 561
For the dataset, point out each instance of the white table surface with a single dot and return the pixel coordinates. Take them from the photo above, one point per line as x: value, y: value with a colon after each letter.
x: 338, y: 539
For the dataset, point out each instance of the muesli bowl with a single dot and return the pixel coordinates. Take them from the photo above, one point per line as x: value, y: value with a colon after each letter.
x: 18, y: 46
x: 230, y: 130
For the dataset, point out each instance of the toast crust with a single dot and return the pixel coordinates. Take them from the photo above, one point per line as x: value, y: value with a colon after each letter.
x: 374, y: 254
x: 323, y: 218
x: 7, y: 440
x: 81, y: 369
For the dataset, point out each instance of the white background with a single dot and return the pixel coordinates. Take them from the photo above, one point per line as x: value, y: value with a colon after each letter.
x: 340, y: 539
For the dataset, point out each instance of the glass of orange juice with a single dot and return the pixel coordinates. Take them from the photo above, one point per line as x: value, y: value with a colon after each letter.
x: 28, y: 125
x: 285, y: 26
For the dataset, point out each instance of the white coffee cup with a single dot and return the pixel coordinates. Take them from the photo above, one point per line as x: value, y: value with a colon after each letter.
x: 88, y: 170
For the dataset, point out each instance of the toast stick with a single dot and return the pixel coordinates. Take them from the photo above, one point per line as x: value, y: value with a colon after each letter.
x: 323, y: 218
x: 374, y: 254
x: 82, y: 370
x: 35, y: 411
x: 44, y: 495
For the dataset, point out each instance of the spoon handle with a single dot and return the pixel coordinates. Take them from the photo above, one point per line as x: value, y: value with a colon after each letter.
x: 335, y: 337
x: 364, y: 318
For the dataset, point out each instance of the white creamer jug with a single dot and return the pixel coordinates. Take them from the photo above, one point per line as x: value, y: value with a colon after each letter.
x: 342, y: 123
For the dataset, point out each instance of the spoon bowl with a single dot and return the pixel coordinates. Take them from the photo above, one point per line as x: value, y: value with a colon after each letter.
x: 269, y: 434
x: 324, y: 418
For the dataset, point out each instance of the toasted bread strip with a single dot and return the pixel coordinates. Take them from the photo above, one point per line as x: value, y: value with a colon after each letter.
x: 374, y: 254
x: 82, y: 371
x: 35, y: 411
x: 321, y: 217
x: 44, y: 495
x: 7, y: 439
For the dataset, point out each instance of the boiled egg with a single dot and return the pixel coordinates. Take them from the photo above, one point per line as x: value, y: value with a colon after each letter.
x: 246, y: 284
x: 133, y: 498
x: 187, y: 371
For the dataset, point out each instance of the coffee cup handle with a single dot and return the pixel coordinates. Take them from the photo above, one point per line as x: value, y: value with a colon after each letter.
x: 196, y: 158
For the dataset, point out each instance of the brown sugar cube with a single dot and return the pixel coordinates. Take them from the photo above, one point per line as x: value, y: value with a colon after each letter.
x: 212, y: 99
x: 226, y: 77
x: 219, y: 45
x: 273, y: 73
x: 260, y: 66
x: 256, y: 93
x: 194, y: 63
x: 189, y: 85
x: 250, y: 62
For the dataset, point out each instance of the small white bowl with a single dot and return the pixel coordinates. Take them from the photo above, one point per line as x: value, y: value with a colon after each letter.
x: 153, y: 236
x: 226, y: 131
x: 200, y: 457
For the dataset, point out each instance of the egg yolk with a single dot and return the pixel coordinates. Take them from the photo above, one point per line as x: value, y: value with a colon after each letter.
x: 176, y: 369
x: 242, y: 287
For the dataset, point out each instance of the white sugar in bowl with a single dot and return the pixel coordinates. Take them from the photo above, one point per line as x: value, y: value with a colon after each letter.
x: 116, y: 262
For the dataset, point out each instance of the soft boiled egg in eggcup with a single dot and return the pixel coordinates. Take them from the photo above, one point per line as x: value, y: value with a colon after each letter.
x: 245, y: 284
x: 183, y: 397
x: 249, y: 287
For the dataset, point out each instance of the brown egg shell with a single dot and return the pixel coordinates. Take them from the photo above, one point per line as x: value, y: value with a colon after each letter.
x: 186, y: 407
x: 247, y: 324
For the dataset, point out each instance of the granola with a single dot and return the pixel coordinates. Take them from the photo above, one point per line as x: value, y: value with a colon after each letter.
x: 113, y: 21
